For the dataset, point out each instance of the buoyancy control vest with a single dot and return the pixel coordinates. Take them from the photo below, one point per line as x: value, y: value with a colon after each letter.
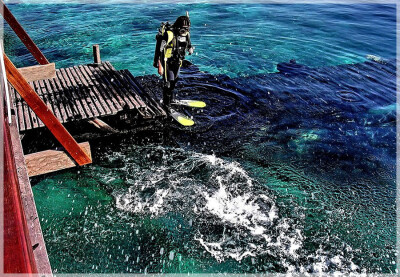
x: 170, y: 46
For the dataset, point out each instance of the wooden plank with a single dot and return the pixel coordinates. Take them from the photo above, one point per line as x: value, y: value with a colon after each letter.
x: 36, y: 87
x: 99, y: 100
x: 131, y: 79
x: 115, y: 86
x: 41, y: 96
x: 23, y: 111
x: 110, y: 101
x: 89, y: 92
x: 100, y: 124
x: 141, y: 91
x: 145, y: 93
x: 139, y: 104
x: 34, y: 119
x: 132, y: 94
x: 38, y: 72
x: 69, y: 108
x: 90, y: 79
x: 82, y: 78
x: 32, y: 113
x: 23, y: 36
x: 83, y: 92
x: 50, y: 98
x: 78, y: 110
x: 98, y: 97
x: 31, y: 215
x: 145, y: 110
x: 105, y: 87
x: 20, y: 111
x: 110, y: 66
x: 74, y: 103
x: 48, y: 118
x: 21, y: 119
x: 39, y: 91
x: 51, y: 160
x: 132, y: 86
x: 18, y: 251
x: 111, y: 87
x: 83, y: 95
x: 57, y: 101
x: 27, y: 117
x: 85, y: 107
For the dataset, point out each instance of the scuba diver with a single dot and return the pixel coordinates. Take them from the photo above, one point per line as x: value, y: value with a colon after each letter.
x: 172, y: 43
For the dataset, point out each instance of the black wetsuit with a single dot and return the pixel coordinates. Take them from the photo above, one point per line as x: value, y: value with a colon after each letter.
x: 171, y: 66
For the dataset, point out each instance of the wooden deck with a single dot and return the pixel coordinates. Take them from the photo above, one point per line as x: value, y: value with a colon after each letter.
x: 85, y: 92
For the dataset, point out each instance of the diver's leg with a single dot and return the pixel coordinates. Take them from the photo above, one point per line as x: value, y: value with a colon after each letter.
x: 172, y: 85
x: 175, y: 71
x: 171, y: 75
x: 166, y: 94
x: 168, y: 86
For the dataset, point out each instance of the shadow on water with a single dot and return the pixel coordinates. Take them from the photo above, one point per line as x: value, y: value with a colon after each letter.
x: 291, y: 171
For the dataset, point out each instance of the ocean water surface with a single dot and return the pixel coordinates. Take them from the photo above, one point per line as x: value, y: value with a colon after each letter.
x: 283, y: 172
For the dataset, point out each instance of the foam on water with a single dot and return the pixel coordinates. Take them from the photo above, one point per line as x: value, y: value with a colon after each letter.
x: 227, y: 194
x: 233, y: 217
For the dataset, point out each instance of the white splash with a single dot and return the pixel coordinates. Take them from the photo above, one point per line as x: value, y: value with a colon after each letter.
x: 234, y: 217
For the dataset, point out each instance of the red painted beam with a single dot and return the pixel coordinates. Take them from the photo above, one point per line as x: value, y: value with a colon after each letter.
x: 23, y: 36
x: 45, y: 115
x: 18, y: 252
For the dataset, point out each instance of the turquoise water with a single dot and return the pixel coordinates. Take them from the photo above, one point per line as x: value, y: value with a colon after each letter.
x: 282, y: 173
x: 230, y: 39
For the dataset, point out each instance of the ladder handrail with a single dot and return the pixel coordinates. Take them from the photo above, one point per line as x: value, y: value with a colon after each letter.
x: 3, y: 75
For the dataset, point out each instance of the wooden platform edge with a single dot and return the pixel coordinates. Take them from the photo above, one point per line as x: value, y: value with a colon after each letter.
x: 38, y: 72
x: 45, y: 115
x: 52, y: 160
x: 28, y: 201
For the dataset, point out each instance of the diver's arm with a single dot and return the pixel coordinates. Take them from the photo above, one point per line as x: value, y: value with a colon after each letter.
x: 157, y: 51
x: 189, y: 46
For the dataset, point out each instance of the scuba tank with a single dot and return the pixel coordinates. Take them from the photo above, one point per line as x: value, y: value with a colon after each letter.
x: 173, y: 46
x: 163, y: 28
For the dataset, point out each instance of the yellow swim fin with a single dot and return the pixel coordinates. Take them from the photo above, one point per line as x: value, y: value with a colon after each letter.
x: 181, y: 118
x: 190, y: 103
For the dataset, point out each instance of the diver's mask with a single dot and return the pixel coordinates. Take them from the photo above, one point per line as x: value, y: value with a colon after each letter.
x: 184, y: 32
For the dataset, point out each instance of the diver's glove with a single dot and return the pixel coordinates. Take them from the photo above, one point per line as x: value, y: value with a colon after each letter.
x: 191, y: 50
